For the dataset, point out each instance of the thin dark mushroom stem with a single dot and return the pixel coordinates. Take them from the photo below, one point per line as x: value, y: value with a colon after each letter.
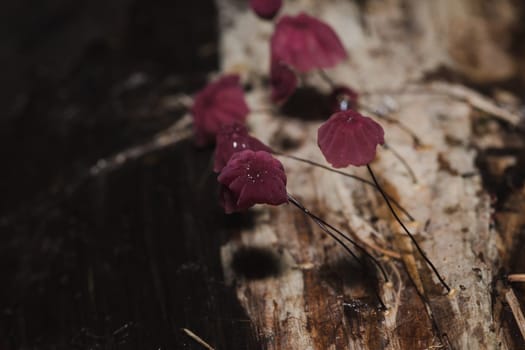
x: 421, y: 252
x: 326, y: 78
x: 322, y: 223
x: 355, y: 177
x: 324, y: 226
x: 403, y: 161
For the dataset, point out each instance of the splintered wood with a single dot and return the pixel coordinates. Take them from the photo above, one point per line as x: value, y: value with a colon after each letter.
x: 319, y: 298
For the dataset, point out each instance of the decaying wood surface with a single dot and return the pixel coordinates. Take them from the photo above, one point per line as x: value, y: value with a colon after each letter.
x: 313, y: 296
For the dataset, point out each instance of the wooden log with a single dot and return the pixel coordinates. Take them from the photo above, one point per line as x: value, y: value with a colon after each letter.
x: 315, y: 297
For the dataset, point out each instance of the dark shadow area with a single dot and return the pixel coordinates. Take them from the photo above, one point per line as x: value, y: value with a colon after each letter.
x: 351, y: 274
x: 137, y: 249
x: 501, y: 185
x: 308, y: 103
x: 502, y: 171
x: 256, y: 263
x: 126, y: 259
x: 82, y: 81
x: 442, y: 73
x: 240, y: 221
x: 346, y: 272
x: 281, y: 140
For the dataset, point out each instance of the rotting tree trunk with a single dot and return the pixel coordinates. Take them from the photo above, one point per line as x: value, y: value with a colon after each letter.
x: 313, y: 299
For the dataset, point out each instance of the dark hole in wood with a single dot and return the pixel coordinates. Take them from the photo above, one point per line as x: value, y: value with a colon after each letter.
x: 240, y: 221
x: 501, y: 185
x: 514, y: 176
x: 348, y: 272
x: 353, y: 306
x: 256, y: 263
x: 283, y: 141
x: 307, y: 104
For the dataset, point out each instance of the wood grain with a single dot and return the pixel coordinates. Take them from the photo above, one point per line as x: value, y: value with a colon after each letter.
x: 330, y: 305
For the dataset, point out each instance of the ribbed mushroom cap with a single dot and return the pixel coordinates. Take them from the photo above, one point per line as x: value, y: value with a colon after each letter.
x: 252, y: 178
x: 349, y: 138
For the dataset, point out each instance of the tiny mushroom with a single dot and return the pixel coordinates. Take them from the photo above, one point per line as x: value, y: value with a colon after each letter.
x: 343, y: 98
x: 252, y: 177
x: 220, y: 102
x: 233, y: 137
x: 349, y: 138
x: 266, y: 9
x: 306, y: 43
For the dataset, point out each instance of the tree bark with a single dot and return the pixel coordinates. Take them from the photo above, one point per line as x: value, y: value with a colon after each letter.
x: 309, y: 294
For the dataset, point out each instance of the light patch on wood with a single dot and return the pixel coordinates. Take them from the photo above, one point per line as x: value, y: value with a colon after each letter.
x: 391, y: 45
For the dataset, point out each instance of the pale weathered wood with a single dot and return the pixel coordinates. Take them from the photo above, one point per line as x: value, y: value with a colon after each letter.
x: 316, y: 299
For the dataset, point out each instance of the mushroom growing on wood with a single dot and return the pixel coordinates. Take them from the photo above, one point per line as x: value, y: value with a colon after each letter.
x: 306, y: 43
x: 220, y: 102
x: 256, y: 177
x: 349, y: 138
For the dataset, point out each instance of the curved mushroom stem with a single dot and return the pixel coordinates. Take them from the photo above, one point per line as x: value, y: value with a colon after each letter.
x: 326, y: 78
x: 355, y: 177
x: 421, y: 252
x: 400, y: 125
x: 326, y: 227
x: 415, y: 139
x: 403, y: 161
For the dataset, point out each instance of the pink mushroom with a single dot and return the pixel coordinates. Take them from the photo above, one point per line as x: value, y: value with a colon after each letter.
x: 306, y: 43
x: 220, y: 102
x: 266, y: 9
x: 349, y: 138
x: 252, y: 177
x: 233, y: 137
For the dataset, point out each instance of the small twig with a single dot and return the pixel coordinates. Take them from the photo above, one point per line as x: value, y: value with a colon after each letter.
x: 459, y: 92
x: 377, y: 248
x: 516, y: 277
x: 177, y: 101
x: 177, y: 132
x: 515, y: 307
x: 403, y: 161
x: 476, y: 100
x: 197, y: 338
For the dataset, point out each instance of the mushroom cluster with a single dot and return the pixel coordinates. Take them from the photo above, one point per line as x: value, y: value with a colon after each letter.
x: 248, y: 171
